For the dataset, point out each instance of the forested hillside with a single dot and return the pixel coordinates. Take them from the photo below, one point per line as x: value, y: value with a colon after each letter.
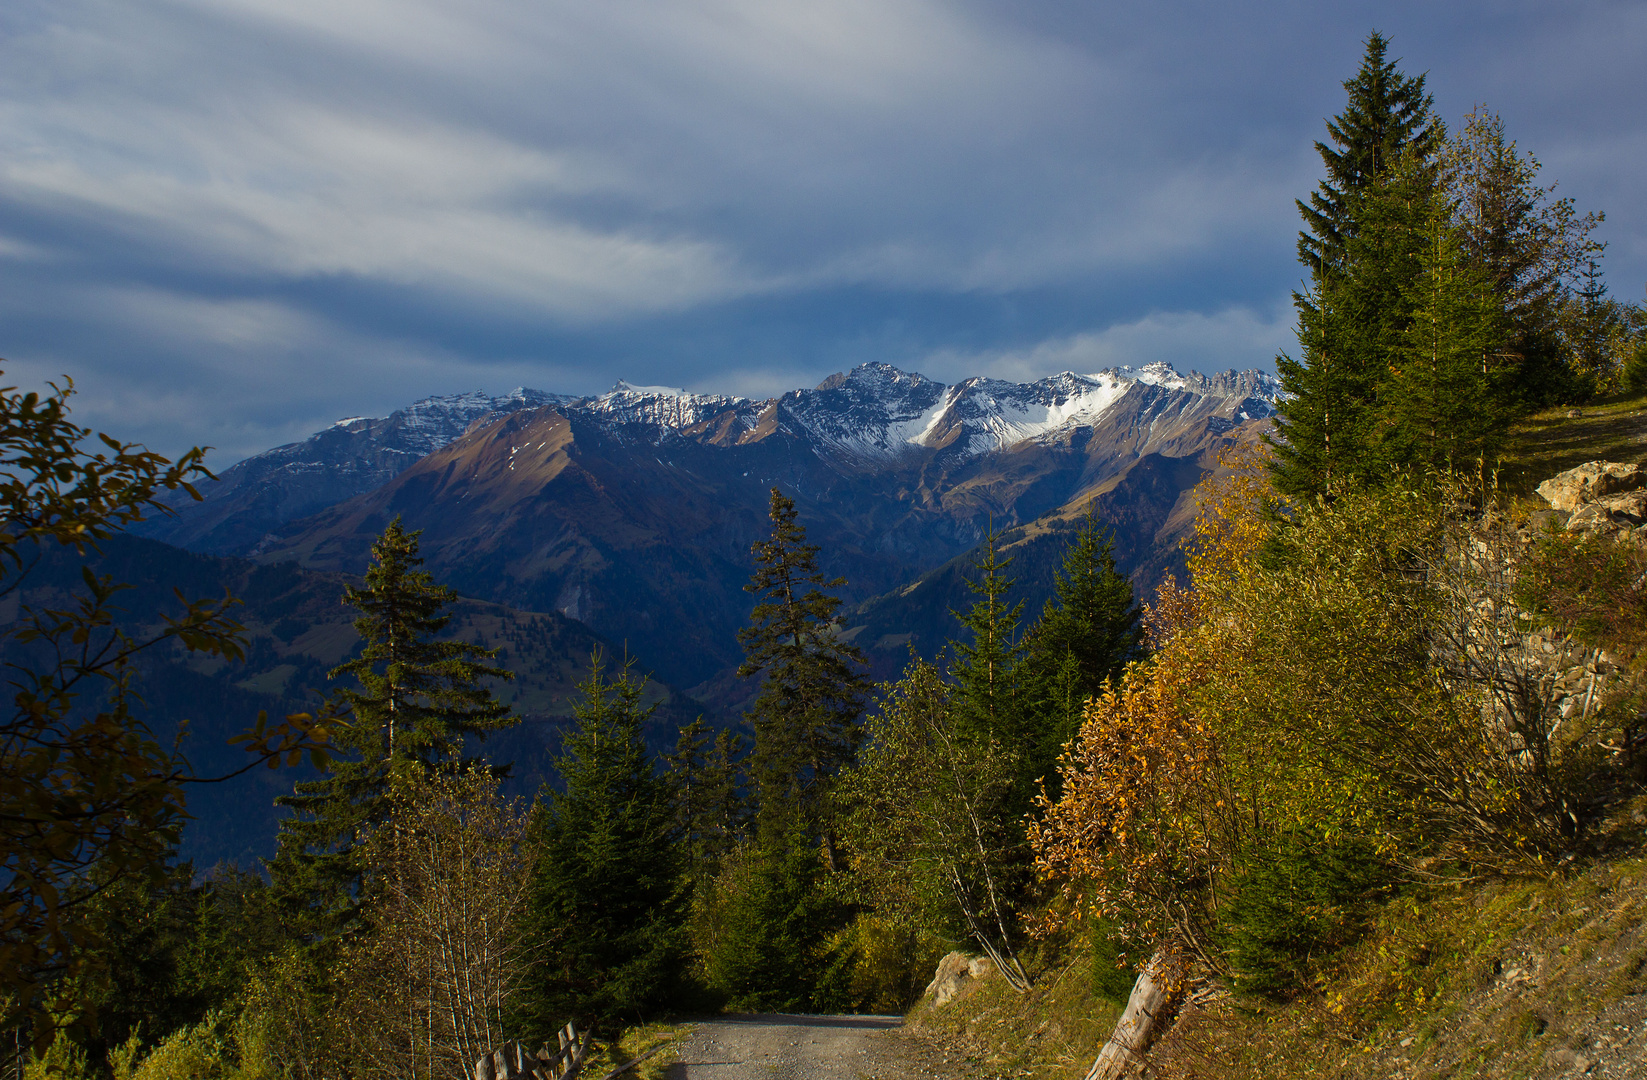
x: 1254, y: 738
x: 297, y: 629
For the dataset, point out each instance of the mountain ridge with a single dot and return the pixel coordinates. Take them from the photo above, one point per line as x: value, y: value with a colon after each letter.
x: 864, y: 419
x: 634, y: 511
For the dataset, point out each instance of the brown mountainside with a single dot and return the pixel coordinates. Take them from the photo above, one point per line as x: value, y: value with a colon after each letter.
x: 641, y: 527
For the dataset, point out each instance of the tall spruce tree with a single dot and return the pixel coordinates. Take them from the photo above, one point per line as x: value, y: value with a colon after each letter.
x: 989, y: 701
x: 806, y: 713
x: 606, y: 917
x: 706, y: 774
x: 1388, y: 115
x: 416, y: 701
x: 1087, y: 633
x: 1360, y: 251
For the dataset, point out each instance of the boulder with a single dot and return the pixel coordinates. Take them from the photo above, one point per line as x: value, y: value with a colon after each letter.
x: 1590, y: 481
x: 1591, y: 517
x: 1629, y: 508
x: 1611, y: 514
x: 954, y: 972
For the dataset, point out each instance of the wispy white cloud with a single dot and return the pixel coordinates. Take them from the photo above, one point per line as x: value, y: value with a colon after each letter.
x: 307, y: 192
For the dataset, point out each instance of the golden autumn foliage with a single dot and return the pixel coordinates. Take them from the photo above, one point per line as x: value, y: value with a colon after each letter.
x: 1341, y: 688
x: 1134, y: 834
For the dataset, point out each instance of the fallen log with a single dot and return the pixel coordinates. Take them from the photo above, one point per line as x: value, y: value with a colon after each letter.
x: 1150, y: 1000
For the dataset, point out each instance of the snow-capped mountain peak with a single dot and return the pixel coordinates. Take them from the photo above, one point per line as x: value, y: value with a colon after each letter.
x: 876, y: 412
x: 863, y: 421
x: 1156, y: 374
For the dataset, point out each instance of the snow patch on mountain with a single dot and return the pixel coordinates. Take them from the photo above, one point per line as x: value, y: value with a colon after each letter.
x: 864, y: 419
x: 1156, y: 374
x: 664, y: 408
x: 876, y: 412
x: 871, y: 413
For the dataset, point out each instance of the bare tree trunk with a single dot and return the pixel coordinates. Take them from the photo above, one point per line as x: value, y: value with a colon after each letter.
x: 1151, y: 996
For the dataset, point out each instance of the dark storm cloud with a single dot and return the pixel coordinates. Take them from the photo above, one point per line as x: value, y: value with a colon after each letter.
x: 234, y: 220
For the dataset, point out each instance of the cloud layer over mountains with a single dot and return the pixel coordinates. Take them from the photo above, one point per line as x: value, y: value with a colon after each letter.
x: 234, y: 220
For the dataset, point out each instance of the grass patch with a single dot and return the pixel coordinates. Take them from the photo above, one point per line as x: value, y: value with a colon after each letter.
x: 630, y: 1044
x: 1053, y: 1031
x: 1549, y: 442
x: 1478, y: 979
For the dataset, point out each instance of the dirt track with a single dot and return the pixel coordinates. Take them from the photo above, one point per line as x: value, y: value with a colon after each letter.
x: 777, y: 1046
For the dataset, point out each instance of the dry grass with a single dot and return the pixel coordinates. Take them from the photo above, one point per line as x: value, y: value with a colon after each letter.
x: 989, y: 1030
x: 1505, y: 978
x: 1548, y: 442
x: 631, y: 1044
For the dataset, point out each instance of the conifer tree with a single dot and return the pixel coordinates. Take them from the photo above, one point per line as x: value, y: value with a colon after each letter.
x: 777, y: 913
x: 1092, y: 615
x: 1360, y: 250
x: 1530, y: 245
x: 607, y: 909
x: 1087, y: 633
x: 988, y: 702
x: 1592, y: 321
x: 415, y: 702
x: 1388, y: 115
x: 1526, y: 242
x: 805, y: 714
x: 706, y: 775
x: 1449, y: 398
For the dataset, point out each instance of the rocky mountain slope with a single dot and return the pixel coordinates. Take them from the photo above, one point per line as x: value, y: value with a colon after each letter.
x: 354, y: 455
x: 633, y: 511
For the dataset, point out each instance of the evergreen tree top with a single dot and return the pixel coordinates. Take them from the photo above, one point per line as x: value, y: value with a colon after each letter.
x: 805, y: 714
x: 397, y: 602
x: 793, y: 616
x: 414, y: 701
x: 604, y: 762
x: 1092, y: 616
x: 419, y: 695
x: 985, y: 669
x: 1388, y: 114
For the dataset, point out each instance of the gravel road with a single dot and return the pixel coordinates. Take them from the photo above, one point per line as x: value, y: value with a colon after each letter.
x: 780, y: 1046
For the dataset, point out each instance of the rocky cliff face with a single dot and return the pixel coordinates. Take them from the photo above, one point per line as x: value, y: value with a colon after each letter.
x: 354, y: 455
x: 634, y: 511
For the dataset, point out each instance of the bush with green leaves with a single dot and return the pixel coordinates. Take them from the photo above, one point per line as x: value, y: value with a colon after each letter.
x: 877, y: 965
x: 1345, y: 694
x: 931, y: 819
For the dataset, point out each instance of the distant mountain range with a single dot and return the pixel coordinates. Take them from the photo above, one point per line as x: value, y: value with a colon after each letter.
x: 633, y: 511
x: 351, y: 457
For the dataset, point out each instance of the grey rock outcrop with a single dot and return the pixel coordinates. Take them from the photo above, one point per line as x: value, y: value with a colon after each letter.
x: 1590, y: 482
x: 1572, y: 679
x: 955, y: 971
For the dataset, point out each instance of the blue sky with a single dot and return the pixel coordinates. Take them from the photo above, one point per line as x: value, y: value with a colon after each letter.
x: 233, y: 221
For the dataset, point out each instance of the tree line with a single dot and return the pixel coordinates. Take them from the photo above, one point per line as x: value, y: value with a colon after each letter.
x: 413, y: 916
x: 1448, y: 293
